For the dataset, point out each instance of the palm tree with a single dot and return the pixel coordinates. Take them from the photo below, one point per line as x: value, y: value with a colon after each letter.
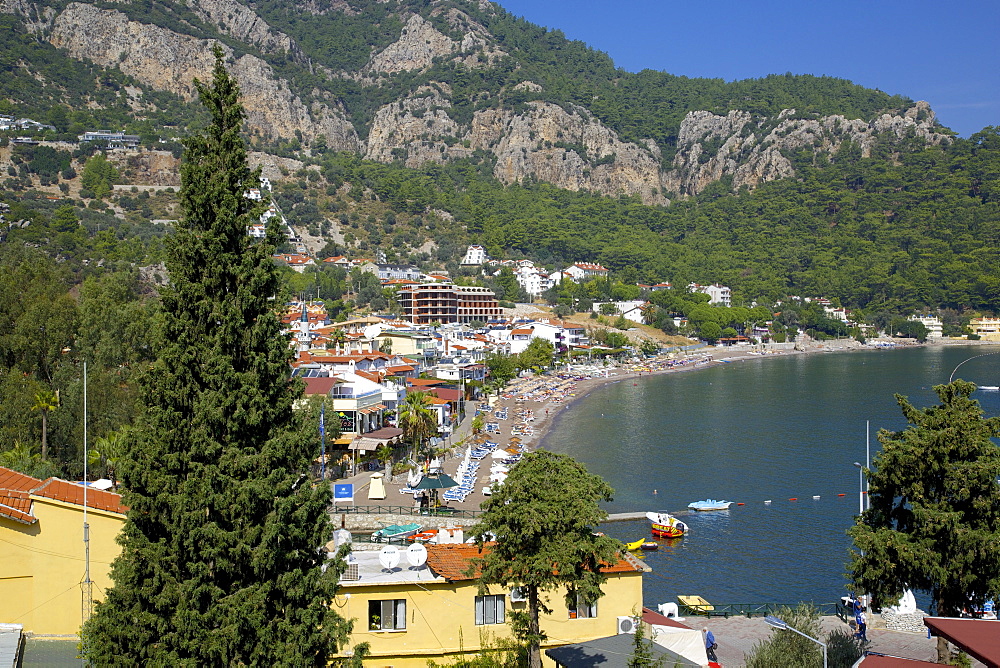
x: 384, y: 456
x: 416, y: 420
x: 107, y: 451
x: 338, y: 337
x: 45, y: 402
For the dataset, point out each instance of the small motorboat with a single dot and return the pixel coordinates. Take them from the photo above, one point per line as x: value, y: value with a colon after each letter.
x: 710, y: 504
x: 394, y: 532
x: 665, y: 525
x: 989, y: 388
x: 635, y: 544
x: 650, y: 545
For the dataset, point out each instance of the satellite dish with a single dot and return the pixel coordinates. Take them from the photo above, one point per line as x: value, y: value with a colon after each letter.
x: 416, y: 554
x: 389, y: 557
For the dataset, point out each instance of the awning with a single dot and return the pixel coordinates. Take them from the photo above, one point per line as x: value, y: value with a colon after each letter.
x: 979, y: 638
x: 372, y: 409
x: 373, y: 440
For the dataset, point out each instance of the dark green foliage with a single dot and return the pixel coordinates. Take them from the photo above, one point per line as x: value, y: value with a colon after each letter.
x: 543, y: 518
x: 934, y: 521
x: 787, y: 649
x: 221, y: 559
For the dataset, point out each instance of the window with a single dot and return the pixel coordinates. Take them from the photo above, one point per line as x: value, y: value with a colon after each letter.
x: 583, y: 610
x: 490, y: 609
x: 387, y: 615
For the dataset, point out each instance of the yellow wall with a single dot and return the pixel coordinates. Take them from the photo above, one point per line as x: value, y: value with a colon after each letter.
x: 440, y: 619
x: 42, y: 565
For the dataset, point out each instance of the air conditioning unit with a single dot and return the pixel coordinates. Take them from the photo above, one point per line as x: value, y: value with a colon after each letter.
x: 518, y: 595
x: 626, y: 625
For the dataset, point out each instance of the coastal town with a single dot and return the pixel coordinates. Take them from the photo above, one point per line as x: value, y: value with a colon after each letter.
x: 360, y: 371
x: 413, y: 334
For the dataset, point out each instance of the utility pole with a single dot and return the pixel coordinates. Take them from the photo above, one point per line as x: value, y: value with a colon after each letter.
x: 87, y: 585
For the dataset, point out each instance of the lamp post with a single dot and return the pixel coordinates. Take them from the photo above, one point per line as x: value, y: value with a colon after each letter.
x: 771, y: 620
x: 861, y: 487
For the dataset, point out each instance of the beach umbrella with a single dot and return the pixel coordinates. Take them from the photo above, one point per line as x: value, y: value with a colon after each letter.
x: 499, y: 454
x: 440, y: 481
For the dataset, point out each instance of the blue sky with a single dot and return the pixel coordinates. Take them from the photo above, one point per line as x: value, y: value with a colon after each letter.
x: 947, y: 53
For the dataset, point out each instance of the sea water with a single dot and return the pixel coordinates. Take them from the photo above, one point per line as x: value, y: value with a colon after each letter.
x: 778, y: 435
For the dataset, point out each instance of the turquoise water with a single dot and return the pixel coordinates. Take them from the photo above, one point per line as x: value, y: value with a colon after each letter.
x: 772, y: 429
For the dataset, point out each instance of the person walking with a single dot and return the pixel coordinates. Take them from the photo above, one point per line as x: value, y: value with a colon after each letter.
x: 862, y: 621
x: 710, y: 645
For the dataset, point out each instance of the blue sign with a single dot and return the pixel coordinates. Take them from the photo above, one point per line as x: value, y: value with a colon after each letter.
x: 343, y: 493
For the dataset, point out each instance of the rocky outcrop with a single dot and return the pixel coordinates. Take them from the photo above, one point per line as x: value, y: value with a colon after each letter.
x: 569, y: 149
x: 754, y: 150
x: 420, y: 43
x: 37, y: 17
x: 155, y: 168
x: 240, y: 22
x: 166, y: 60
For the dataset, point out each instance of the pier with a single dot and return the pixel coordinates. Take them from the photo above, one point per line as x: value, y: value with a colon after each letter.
x: 625, y: 517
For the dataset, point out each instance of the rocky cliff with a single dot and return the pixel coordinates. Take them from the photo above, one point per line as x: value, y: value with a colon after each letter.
x: 565, y: 145
x: 170, y: 61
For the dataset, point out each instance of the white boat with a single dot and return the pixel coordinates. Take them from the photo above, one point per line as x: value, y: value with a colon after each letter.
x: 710, y: 504
x: 989, y: 388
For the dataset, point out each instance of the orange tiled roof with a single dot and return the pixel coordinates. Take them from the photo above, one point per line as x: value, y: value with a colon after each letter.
x: 17, y: 481
x: 16, y: 505
x: 67, y: 492
x: 453, y: 561
x: 424, y: 382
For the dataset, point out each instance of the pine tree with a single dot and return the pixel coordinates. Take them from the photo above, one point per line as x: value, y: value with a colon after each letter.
x: 220, y: 562
x: 934, y: 521
x: 543, y: 518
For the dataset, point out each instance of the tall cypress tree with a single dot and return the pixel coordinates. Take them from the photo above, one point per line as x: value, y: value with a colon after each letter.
x: 220, y: 562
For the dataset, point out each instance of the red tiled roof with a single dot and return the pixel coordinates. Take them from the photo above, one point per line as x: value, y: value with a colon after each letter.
x: 67, y: 492
x: 423, y: 382
x: 399, y: 368
x: 320, y: 385
x: 17, y: 481
x: 446, y: 393
x: 452, y: 561
x: 16, y: 505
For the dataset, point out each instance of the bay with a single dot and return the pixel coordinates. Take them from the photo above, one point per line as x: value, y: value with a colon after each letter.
x: 750, y: 432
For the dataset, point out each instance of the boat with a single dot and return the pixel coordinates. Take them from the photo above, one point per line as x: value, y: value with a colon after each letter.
x: 394, y: 532
x: 990, y: 388
x: 650, y: 545
x: 710, y: 504
x: 635, y: 544
x: 665, y: 525
x: 425, y: 536
x: 695, y: 605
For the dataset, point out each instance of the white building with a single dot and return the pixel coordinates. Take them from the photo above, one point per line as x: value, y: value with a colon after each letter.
x: 532, y: 281
x: 932, y: 323
x: 718, y: 294
x: 475, y: 255
x: 583, y: 270
x: 630, y: 310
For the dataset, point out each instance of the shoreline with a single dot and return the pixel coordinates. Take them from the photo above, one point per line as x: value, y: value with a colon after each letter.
x: 548, y: 398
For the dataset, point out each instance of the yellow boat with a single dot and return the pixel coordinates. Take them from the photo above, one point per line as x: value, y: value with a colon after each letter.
x: 696, y: 605
x: 635, y: 545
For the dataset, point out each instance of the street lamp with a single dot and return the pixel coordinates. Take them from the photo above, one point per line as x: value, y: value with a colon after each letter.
x: 861, y: 487
x: 771, y: 620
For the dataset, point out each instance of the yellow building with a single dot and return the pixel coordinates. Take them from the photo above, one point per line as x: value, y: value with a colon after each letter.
x: 412, y: 614
x: 42, y: 561
x: 987, y: 329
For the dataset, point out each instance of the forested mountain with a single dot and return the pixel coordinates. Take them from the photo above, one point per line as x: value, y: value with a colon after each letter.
x: 416, y: 127
x: 420, y: 81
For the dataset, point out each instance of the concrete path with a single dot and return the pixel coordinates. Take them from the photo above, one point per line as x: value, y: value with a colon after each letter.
x: 737, y: 636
